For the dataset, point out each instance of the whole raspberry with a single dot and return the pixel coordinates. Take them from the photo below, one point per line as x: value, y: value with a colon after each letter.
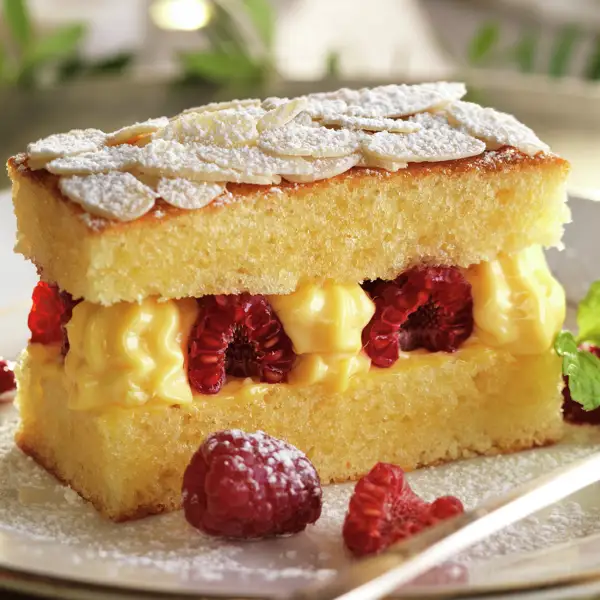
x: 384, y: 510
x: 7, y: 378
x: 239, y: 335
x: 426, y: 307
x: 44, y: 319
x: 573, y: 411
x: 51, y: 310
x: 250, y: 485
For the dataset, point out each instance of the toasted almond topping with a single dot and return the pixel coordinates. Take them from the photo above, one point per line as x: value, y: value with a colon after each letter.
x: 116, y: 195
x: 216, y: 106
x: 403, y: 100
x: 189, y: 195
x: 426, y: 145
x: 324, y: 168
x: 73, y: 142
x: 496, y: 128
x: 282, y: 115
x: 371, y: 124
x: 229, y: 127
x: 110, y: 158
x: 137, y: 129
x: 168, y: 158
x: 253, y: 160
x: 316, y: 142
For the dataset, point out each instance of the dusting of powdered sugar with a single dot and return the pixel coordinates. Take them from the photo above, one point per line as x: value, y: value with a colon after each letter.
x: 167, y: 552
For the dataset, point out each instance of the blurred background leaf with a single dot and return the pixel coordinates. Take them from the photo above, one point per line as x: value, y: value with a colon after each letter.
x: 526, y: 50
x: 263, y: 17
x: 562, y: 51
x: 18, y: 22
x: 593, y: 66
x: 58, y: 44
x: 484, y: 42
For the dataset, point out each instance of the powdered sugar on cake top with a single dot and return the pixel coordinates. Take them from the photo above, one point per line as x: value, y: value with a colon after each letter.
x: 301, y: 139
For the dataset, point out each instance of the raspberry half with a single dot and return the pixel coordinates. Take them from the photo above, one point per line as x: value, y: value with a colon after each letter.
x: 384, y: 510
x: 7, y: 378
x: 426, y: 307
x: 573, y: 411
x: 250, y: 485
x: 239, y: 335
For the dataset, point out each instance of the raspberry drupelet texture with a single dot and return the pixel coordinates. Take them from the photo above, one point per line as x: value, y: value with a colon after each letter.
x: 573, y: 411
x: 425, y: 307
x: 384, y: 510
x: 51, y: 310
x: 239, y: 335
x: 250, y: 485
x: 45, y: 317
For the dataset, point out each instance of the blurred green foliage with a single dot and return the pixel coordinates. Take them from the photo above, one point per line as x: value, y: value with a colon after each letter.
x: 28, y: 59
x: 486, y: 49
x: 240, y: 35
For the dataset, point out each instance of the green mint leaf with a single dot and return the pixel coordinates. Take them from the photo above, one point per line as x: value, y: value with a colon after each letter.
x: 483, y: 42
x: 588, y: 316
x: 17, y: 19
x: 582, y: 368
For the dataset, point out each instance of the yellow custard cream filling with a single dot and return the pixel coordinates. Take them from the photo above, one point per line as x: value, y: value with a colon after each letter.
x: 517, y: 304
x: 131, y: 354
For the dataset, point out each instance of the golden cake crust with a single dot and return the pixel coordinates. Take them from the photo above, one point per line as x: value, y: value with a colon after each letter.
x: 363, y: 224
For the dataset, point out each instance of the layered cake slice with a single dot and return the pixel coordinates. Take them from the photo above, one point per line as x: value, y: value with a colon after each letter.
x: 360, y: 273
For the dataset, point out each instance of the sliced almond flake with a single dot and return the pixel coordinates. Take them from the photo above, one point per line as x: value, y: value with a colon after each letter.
x: 369, y: 161
x: 73, y: 142
x: 168, y: 158
x: 282, y: 115
x: 189, y: 195
x: 215, y: 106
x: 316, y: 142
x: 253, y: 161
x: 426, y: 145
x: 317, y: 105
x: 130, y: 131
x: 371, y: 124
x: 325, y: 168
x: 496, y: 128
x: 118, y: 196
x: 303, y: 118
x: 403, y: 100
x: 110, y: 158
x: 229, y: 128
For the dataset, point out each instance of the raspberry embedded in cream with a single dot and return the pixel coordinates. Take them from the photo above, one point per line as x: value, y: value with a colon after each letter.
x: 325, y: 318
x: 517, y: 304
x: 129, y: 354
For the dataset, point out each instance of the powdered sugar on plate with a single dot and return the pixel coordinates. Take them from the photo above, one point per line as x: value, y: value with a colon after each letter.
x: 47, y: 527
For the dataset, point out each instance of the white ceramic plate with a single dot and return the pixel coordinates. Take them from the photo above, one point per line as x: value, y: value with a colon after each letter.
x: 52, y: 542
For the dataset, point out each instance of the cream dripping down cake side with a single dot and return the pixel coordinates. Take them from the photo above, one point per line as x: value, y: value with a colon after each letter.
x: 360, y: 273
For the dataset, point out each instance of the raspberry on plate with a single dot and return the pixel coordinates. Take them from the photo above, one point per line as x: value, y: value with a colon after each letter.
x: 384, y: 510
x: 7, y: 378
x: 573, y: 411
x: 250, y: 485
